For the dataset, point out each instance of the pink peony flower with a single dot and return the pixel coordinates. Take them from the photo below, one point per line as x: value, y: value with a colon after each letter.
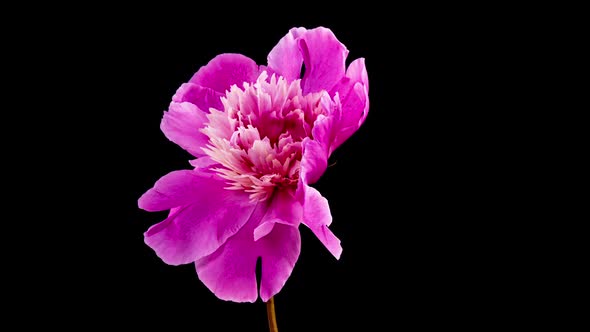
x: 261, y: 135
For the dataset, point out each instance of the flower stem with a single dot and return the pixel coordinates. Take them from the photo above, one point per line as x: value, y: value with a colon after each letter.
x: 270, y: 312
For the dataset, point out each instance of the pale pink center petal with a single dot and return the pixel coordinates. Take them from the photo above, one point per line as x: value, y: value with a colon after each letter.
x: 257, y: 137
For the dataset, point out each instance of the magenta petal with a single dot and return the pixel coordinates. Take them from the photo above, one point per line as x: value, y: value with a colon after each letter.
x: 203, y: 97
x: 283, y: 209
x: 279, y: 251
x: 314, y: 161
x: 230, y: 272
x: 173, y: 189
x: 263, y: 229
x: 316, y: 216
x: 181, y: 125
x: 196, y: 230
x: 357, y: 72
x: 225, y: 70
x: 353, y: 91
x: 285, y: 58
x: 324, y: 58
x: 354, y: 112
x: 203, y: 162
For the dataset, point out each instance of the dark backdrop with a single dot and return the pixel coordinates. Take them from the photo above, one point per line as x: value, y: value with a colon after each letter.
x: 403, y: 190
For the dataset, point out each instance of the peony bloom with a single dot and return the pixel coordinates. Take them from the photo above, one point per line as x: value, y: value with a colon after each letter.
x: 261, y: 136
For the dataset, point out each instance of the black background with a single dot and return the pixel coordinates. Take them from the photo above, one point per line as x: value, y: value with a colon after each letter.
x: 404, y: 191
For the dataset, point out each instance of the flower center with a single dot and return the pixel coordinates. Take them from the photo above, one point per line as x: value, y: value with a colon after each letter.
x: 257, y: 137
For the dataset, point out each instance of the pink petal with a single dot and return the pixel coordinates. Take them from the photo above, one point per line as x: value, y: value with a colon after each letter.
x: 354, y: 112
x: 230, y: 272
x: 324, y: 133
x: 357, y: 72
x: 324, y: 58
x: 225, y: 70
x: 263, y: 229
x: 203, y: 97
x: 284, y: 209
x: 204, y: 162
x: 173, y: 189
x: 285, y: 58
x: 354, y: 95
x: 316, y: 216
x: 314, y: 161
x: 198, y: 229
x: 181, y: 125
x: 279, y: 251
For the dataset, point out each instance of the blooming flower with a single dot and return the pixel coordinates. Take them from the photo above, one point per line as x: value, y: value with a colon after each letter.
x: 261, y: 135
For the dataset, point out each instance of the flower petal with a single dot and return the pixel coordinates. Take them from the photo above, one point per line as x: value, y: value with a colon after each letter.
x: 279, y: 251
x: 357, y: 72
x: 196, y: 230
x: 324, y: 58
x: 314, y: 161
x: 182, y: 123
x: 353, y: 91
x: 316, y: 216
x: 284, y: 209
x: 230, y: 272
x: 203, y: 97
x: 285, y: 58
x: 326, y: 127
x: 225, y: 70
x: 203, y: 163
x: 173, y: 189
x: 354, y: 112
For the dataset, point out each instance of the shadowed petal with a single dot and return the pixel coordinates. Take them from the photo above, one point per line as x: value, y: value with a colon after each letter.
x: 314, y: 161
x: 203, y: 97
x: 173, y: 189
x: 285, y: 58
x: 324, y: 58
x: 198, y: 229
x: 284, y: 209
x: 225, y: 70
x: 230, y: 272
x: 182, y: 123
x: 354, y: 94
x: 204, y: 162
x: 354, y: 113
x: 316, y: 216
x: 357, y: 72
x: 279, y: 251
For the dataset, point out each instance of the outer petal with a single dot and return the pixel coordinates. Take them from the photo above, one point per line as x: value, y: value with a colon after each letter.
x: 198, y: 229
x: 230, y: 272
x: 203, y: 97
x: 316, y: 216
x: 357, y: 72
x: 279, y: 251
x: 182, y: 123
x: 326, y: 126
x: 314, y: 161
x: 354, y: 113
x: 203, y: 163
x: 354, y: 94
x: 225, y: 70
x: 324, y: 58
x: 284, y: 209
x: 285, y: 58
x: 173, y: 189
